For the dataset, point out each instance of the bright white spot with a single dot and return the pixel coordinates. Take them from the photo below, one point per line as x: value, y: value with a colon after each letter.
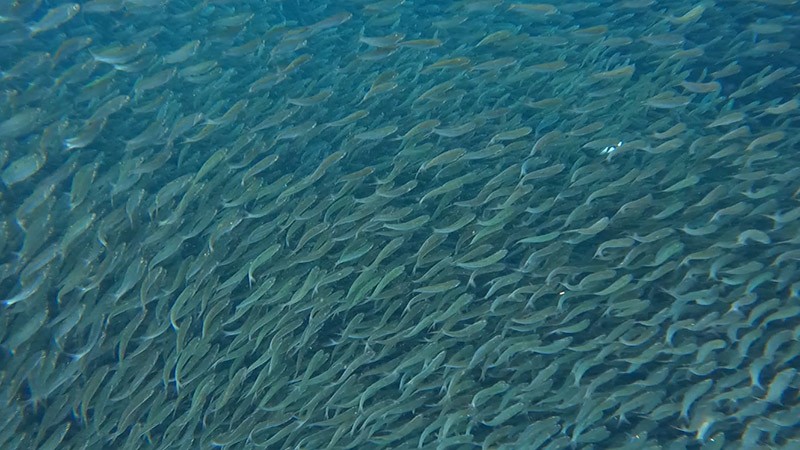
x: 611, y: 149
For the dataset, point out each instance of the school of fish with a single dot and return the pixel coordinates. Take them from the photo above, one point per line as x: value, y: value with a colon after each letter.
x: 359, y: 224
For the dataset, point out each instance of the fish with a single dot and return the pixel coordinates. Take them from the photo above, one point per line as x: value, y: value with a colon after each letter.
x: 448, y: 63
x: 398, y: 224
x: 21, y: 123
x: 534, y: 9
x: 701, y: 88
x: 389, y: 40
x: 376, y: 134
x: 727, y: 119
x: 667, y: 101
x: 54, y: 18
x: 23, y: 168
x: 455, y: 131
x: 421, y: 44
x: 119, y: 54
x: 70, y: 47
x: 86, y: 135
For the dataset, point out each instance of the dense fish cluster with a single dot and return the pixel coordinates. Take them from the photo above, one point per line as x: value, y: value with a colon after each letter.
x: 399, y: 224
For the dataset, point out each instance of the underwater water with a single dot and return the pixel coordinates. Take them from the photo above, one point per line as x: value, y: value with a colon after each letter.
x: 399, y: 224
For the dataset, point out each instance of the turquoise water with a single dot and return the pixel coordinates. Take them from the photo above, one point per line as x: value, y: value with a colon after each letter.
x: 486, y: 224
